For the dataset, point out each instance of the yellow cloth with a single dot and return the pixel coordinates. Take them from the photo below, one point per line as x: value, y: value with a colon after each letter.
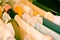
x: 35, y: 13
x: 19, y: 10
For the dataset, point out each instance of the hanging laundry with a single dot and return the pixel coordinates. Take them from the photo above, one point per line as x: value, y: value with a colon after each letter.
x: 6, y: 17
x: 8, y: 31
x: 32, y: 20
x: 24, y: 22
x: 57, y: 20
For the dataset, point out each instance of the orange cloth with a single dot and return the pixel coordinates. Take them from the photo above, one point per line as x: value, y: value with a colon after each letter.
x: 1, y: 11
x: 35, y: 13
x: 19, y: 10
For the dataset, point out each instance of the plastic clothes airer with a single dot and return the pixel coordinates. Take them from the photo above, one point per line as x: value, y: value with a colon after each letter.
x: 10, y: 12
x: 30, y: 29
x: 31, y: 20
